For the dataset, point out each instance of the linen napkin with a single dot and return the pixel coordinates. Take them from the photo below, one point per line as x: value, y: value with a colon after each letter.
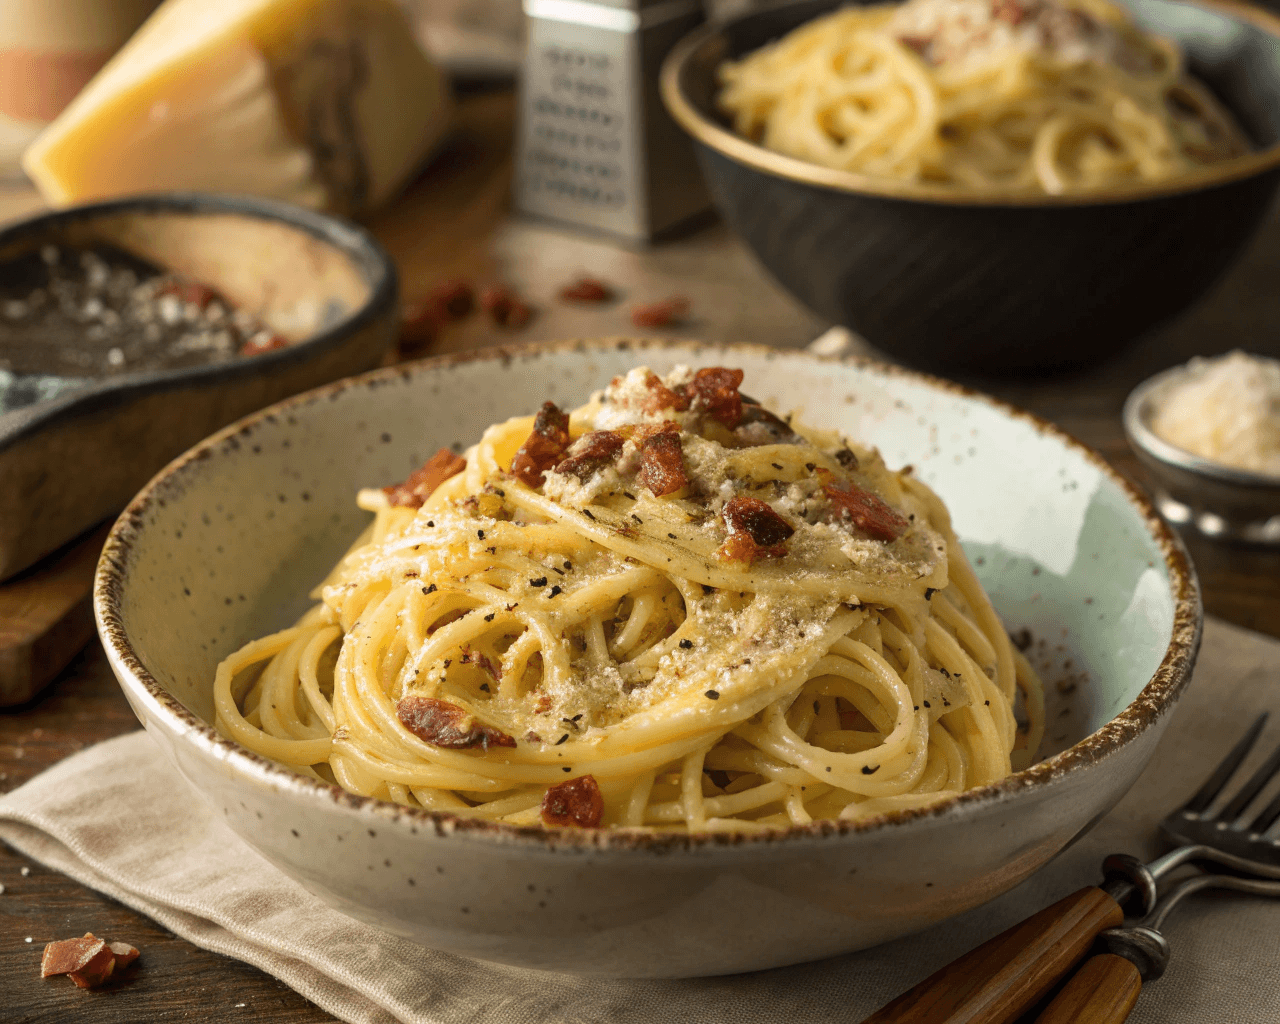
x: 117, y: 818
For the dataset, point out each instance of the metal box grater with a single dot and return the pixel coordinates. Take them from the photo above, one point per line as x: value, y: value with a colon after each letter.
x: 596, y: 148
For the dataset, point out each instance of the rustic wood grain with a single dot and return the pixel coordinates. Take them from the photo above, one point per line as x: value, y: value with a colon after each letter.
x: 454, y: 222
x: 1001, y: 979
x: 46, y: 618
x: 1103, y: 991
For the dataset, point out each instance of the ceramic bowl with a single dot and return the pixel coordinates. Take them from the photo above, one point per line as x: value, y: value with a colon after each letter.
x: 1218, y: 501
x: 982, y: 284
x: 224, y: 544
x: 322, y: 283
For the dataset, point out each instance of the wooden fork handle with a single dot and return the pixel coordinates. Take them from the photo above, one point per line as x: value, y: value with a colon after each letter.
x: 1005, y: 976
x: 1103, y: 991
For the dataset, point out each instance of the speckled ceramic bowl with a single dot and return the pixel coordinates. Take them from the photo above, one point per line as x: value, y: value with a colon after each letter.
x: 224, y: 544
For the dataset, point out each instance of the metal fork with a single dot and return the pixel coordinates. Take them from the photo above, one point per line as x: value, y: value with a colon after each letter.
x: 1007, y: 975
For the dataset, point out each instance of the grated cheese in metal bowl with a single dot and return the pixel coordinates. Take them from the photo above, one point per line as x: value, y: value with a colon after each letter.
x: 1226, y: 410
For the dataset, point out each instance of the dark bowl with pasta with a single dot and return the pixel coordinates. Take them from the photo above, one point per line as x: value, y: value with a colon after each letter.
x: 978, y: 280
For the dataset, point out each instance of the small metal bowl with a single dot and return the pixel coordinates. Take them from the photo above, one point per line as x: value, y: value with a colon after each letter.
x: 1219, y: 501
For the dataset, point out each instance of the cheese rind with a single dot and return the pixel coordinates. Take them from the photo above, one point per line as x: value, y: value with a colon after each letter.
x: 324, y: 103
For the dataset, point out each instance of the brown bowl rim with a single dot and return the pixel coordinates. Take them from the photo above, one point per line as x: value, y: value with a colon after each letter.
x: 743, y: 151
x: 1155, y: 699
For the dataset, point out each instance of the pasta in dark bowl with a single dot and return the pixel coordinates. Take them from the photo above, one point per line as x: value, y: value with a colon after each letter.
x: 1026, y: 204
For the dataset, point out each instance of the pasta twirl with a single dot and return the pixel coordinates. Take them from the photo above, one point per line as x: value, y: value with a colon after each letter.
x: 668, y: 609
x: 982, y: 95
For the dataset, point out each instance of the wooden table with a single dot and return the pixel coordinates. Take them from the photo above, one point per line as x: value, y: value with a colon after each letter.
x: 454, y: 222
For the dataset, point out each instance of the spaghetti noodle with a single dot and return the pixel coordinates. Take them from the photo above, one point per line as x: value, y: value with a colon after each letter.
x: 669, y: 608
x: 982, y: 95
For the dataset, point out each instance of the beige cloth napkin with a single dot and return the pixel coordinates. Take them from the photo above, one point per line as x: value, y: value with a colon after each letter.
x: 117, y: 818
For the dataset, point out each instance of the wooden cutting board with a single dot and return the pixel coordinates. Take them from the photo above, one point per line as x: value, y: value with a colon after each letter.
x: 46, y: 617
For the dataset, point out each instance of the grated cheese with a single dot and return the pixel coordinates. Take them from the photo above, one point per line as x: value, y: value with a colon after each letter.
x: 1226, y: 410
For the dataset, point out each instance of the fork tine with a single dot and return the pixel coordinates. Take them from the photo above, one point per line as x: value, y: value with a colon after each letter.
x: 1251, y: 788
x: 1213, y: 785
x: 1267, y: 818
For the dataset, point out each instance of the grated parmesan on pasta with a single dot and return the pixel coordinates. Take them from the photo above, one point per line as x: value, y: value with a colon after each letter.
x: 1226, y: 410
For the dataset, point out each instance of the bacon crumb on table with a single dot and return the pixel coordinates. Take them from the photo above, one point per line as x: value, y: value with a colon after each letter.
x: 419, y: 326
x: 587, y: 290
x: 89, y: 961
x: 456, y: 298
x: 505, y: 306
x: 576, y: 802
x: 663, y: 313
x: 415, y: 489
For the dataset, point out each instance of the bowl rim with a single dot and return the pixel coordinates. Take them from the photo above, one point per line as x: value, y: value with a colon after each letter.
x: 364, y: 251
x: 1136, y: 419
x: 729, y: 144
x: 1155, y: 699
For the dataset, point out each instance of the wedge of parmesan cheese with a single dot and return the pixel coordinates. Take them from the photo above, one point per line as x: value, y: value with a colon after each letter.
x: 324, y: 103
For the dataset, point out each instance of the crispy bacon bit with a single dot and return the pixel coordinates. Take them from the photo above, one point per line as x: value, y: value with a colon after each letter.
x: 446, y: 725
x: 419, y: 485
x: 1009, y: 10
x: 263, y: 341
x: 89, y: 961
x: 591, y: 453
x: 663, y: 313
x: 920, y: 44
x: 544, y: 448
x: 576, y: 802
x: 455, y: 298
x: 470, y: 657
x: 755, y: 531
x: 714, y: 390
x: 189, y: 291
x: 124, y: 953
x: 662, y: 461
x: 505, y: 306
x: 97, y: 970
x: 662, y: 397
x: 543, y: 705
x: 586, y: 289
x: 67, y: 955
x: 866, y: 510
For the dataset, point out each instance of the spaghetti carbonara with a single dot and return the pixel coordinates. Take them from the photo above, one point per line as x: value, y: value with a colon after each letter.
x: 987, y: 95
x: 670, y: 608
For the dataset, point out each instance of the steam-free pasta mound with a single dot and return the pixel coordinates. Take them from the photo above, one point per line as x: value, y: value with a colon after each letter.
x: 670, y: 608
x: 982, y: 95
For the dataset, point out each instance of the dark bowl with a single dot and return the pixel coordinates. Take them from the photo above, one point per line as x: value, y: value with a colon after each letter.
x: 1004, y: 284
x: 321, y: 282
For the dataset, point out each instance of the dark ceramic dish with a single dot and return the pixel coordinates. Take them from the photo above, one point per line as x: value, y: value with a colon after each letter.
x: 322, y: 283
x: 1004, y: 284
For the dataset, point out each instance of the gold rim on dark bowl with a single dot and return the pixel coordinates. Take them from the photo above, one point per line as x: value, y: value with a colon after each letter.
x: 723, y: 140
